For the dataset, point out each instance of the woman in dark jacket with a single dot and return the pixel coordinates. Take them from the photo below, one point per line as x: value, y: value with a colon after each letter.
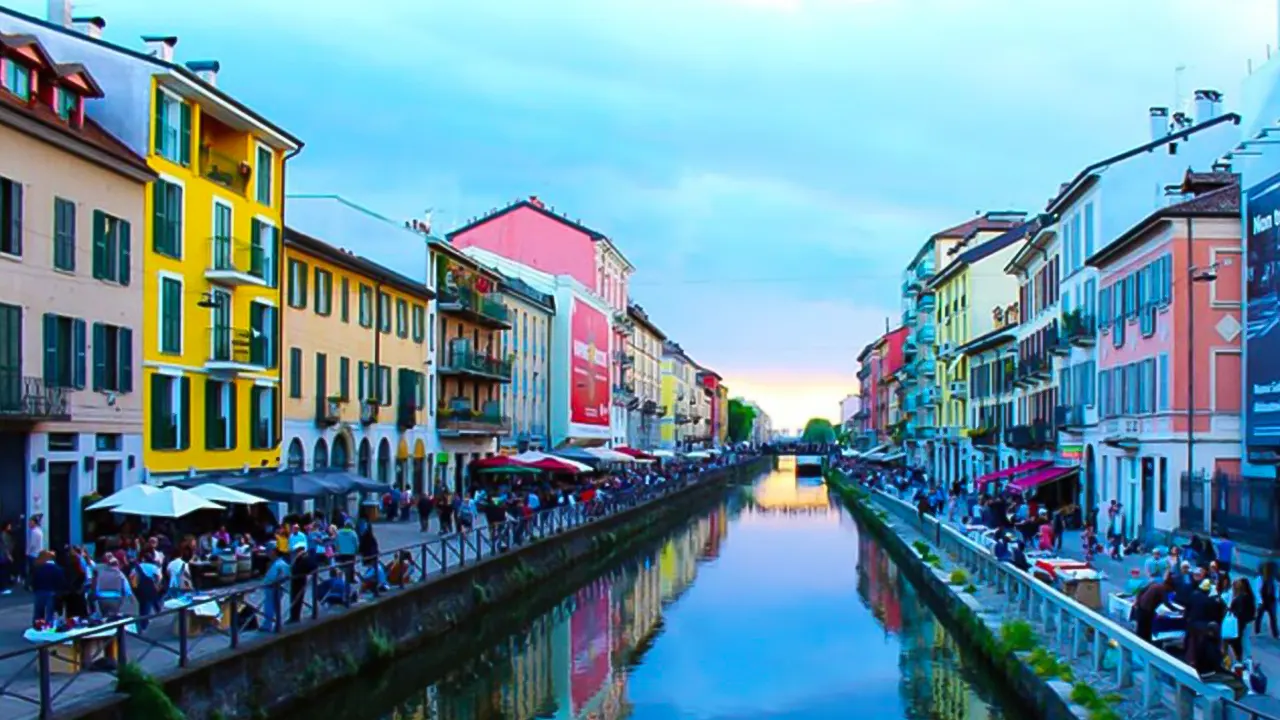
x: 1243, y: 607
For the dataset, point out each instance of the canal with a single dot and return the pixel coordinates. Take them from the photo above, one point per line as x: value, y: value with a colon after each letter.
x: 771, y: 604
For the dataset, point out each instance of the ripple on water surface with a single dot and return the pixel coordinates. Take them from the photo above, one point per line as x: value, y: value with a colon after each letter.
x: 770, y: 605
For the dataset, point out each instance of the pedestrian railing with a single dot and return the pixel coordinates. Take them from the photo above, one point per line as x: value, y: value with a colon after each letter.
x: 37, y: 681
x: 1078, y: 631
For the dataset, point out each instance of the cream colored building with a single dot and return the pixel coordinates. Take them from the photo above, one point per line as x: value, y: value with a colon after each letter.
x: 526, y: 344
x: 643, y: 361
x: 72, y: 201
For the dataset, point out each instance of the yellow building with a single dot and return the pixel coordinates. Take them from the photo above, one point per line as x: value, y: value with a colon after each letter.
x: 355, y: 349
x: 210, y: 247
x: 677, y: 396
x: 644, y: 360
x: 722, y: 415
x: 969, y: 290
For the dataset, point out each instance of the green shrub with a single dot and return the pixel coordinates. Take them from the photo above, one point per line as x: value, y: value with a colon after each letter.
x: 921, y: 547
x: 959, y: 577
x: 971, y: 589
x: 1017, y: 636
x: 381, y: 646
x: 1047, y: 665
x: 1099, y: 707
x: 147, y: 698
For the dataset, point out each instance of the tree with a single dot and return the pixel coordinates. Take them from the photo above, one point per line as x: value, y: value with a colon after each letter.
x: 742, y: 418
x: 818, y: 430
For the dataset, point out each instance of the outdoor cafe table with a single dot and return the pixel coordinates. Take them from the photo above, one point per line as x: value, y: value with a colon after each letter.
x: 79, y: 648
x: 204, y: 613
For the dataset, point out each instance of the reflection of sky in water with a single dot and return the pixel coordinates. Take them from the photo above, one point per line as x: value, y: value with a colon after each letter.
x: 773, y: 628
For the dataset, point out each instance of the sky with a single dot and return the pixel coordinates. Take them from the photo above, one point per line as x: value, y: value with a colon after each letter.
x: 769, y: 166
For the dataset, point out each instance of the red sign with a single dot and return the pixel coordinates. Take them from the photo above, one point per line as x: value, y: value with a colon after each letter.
x: 589, y: 366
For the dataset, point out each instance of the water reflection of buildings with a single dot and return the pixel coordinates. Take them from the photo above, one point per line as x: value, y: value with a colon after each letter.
x: 571, y: 664
x: 781, y: 491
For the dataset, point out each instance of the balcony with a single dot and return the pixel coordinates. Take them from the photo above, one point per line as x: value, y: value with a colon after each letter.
x: 622, y: 323
x: 237, y: 262
x: 1032, y: 369
x: 1036, y: 436
x: 236, y: 350
x: 31, y: 400
x: 225, y: 170
x: 484, y: 309
x: 458, y: 419
x: 369, y: 410
x: 926, y: 366
x: 460, y: 361
x: 927, y: 303
x: 1070, y: 417
x: 925, y: 334
x: 1055, y: 343
x: 909, y: 318
x: 1080, y: 329
x: 624, y: 359
x: 959, y: 390
x: 329, y: 411
x: 924, y: 271
x: 985, y: 437
x: 929, y: 395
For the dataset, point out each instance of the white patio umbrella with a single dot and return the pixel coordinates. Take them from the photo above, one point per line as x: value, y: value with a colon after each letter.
x: 169, y: 502
x: 214, y: 492
x: 608, y: 455
x: 662, y: 453
x: 697, y: 455
x: 124, y: 496
x: 533, y: 456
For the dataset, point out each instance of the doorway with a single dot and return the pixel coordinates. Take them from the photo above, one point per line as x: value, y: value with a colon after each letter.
x: 1090, y: 483
x: 1148, y: 498
x: 61, y: 477
x: 105, y: 478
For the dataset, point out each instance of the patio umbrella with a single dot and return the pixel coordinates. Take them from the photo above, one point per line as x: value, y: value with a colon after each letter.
x: 169, y: 502
x: 662, y: 454
x: 697, y: 455
x: 343, y: 482
x: 612, y: 456
x: 225, y: 495
x: 126, y: 495
x: 576, y: 454
x: 637, y: 454
x: 286, y: 487
x: 502, y: 464
x: 550, y: 463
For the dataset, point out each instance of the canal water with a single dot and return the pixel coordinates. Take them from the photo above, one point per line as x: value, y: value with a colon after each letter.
x: 770, y: 605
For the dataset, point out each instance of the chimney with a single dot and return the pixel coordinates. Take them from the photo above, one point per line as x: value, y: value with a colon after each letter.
x: 1207, y: 105
x: 534, y: 201
x: 206, y: 70
x: 1181, y: 121
x: 58, y: 12
x: 161, y: 46
x: 91, y: 26
x: 1159, y: 122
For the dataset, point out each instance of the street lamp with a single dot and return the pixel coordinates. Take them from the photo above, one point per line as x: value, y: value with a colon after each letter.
x: 1195, y: 274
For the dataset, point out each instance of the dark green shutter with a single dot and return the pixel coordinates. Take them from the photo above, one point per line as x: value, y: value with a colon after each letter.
x: 99, y: 244
x: 160, y: 421
x: 295, y: 372
x: 184, y: 413
x: 159, y: 223
x: 123, y: 239
x: 361, y: 394
x: 158, y: 138
x: 15, y: 217
x: 124, y: 341
x: 99, y: 356
x: 344, y: 378
x: 231, y: 416
x: 184, y: 136
x: 345, y: 300
x: 273, y: 331
x: 302, y: 288
x: 322, y: 382
x: 78, y: 357
x: 212, y: 429
x: 51, y: 350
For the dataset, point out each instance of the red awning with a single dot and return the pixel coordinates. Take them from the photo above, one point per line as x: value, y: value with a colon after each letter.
x: 637, y: 454
x: 1025, y: 467
x: 497, y: 462
x: 555, y: 465
x: 1037, y: 479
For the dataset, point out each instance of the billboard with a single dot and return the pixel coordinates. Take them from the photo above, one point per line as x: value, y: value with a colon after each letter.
x: 589, y: 633
x: 589, y: 366
x: 1262, y: 337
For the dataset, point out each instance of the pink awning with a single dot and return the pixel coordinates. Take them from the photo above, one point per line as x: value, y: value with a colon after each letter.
x: 1037, y: 479
x: 1025, y: 467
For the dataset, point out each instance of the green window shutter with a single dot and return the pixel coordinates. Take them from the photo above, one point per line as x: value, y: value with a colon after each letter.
x: 124, y: 342
x: 123, y: 239
x: 212, y: 430
x: 159, y: 220
x: 295, y: 372
x: 273, y: 331
x: 99, y: 245
x: 158, y: 428
x: 345, y: 300
x: 99, y: 356
x: 344, y: 378
x: 302, y: 287
x: 158, y: 138
x: 51, y: 349
x: 184, y: 135
x: 361, y: 390
x: 231, y: 416
x: 15, y: 218
x: 174, y: 214
x: 184, y: 413
x: 64, y: 234
x: 78, y: 331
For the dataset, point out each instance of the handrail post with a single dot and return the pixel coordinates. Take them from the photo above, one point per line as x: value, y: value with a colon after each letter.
x: 233, y: 607
x: 182, y: 637
x: 122, y: 655
x: 315, y: 594
x: 46, y: 685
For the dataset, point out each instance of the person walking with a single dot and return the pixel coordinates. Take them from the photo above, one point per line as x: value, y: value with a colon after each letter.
x: 273, y: 589
x: 345, y: 547
x: 1059, y: 530
x: 35, y: 546
x: 8, y: 557
x: 47, y: 581
x: 1265, y: 596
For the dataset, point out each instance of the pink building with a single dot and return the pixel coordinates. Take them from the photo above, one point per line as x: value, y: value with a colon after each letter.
x: 1169, y: 360
x: 529, y: 233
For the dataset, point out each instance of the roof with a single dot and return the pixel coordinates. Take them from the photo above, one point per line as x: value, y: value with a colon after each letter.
x: 637, y: 313
x: 984, y: 222
x: 351, y: 261
x: 525, y: 291
x: 994, y: 339
x: 1088, y: 175
x: 986, y: 249
x: 1224, y: 202
x: 530, y: 203
x: 173, y: 67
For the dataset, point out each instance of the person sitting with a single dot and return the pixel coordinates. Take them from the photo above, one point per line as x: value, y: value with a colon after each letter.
x: 334, y: 590
x: 1155, y: 567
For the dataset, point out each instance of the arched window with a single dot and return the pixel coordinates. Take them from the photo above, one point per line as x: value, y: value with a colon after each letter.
x: 340, y: 456
x: 384, y: 461
x: 365, y: 458
x: 296, y: 458
x: 320, y: 456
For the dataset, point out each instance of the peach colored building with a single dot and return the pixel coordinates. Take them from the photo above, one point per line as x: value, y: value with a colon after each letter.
x: 1169, y: 352
x: 71, y: 220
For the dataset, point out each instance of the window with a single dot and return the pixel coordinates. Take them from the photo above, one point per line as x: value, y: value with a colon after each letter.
x: 262, y: 420
x: 167, y: 212
x: 219, y: 415
x: 295, y: 372
x: 365, y: 382
x: 1164, y: 484
x: 266, y: 164
x: 344, y: 300
x: 324, y: 292
x: 344, y: 378
x: 384, y: 385
x: 112, y: 358
x: 68, y: 103
x: 297, y: 284
x: 1088, y: 231
x: 17, y: 79
x: 366, y: 306
x: 10, y: 217
x: 111, y: 248
x: 173, y: 128
x: 431, y: 331
x: 264, y: 332
x: 64, y: 235
x: 170, y: 412
x: 64, y: 351
x: 384, y: 312
x: 419, y: 323
x: 265, y: 240
x: 1162, y: 402
x: 402, y: 318
x: 170, y: 316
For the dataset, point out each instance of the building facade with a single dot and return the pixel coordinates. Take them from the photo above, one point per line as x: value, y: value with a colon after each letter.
x: 355, y: 351
x: 992, y: 362
x: 1169, y: 353
x: 678, y: 390
x: 645, y: 351
x: 527, y: 347
x: 71, y: 309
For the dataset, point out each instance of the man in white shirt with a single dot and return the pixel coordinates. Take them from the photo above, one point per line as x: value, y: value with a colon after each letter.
x: 35, y: 545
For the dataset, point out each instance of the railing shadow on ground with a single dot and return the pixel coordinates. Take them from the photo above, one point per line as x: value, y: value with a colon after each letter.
x: 1079, y: 632
x: 38, y: 681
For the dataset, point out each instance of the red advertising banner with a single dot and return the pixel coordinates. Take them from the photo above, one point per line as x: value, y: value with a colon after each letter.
x: 589, y: 366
